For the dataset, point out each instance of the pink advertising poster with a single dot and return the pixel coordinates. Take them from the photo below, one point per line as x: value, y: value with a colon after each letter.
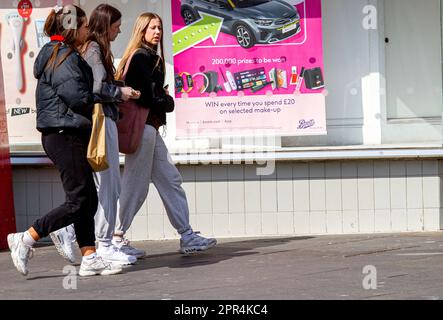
x: 244, y: 67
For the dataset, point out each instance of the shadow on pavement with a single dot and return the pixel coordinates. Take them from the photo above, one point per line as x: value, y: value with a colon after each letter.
x: 221, y: 252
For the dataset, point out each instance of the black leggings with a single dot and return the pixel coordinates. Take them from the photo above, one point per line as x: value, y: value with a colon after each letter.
x: 67, y: 150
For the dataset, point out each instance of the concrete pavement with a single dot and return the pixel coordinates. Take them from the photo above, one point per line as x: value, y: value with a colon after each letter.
x: 382, y: 266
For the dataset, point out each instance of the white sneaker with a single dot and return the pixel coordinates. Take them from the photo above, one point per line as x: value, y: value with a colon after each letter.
x: 20, y: 252
x: 193, y: 243
x: 114, y: 255
x: 124, y: 246
x: 64, y: 242
x: 98, y: 267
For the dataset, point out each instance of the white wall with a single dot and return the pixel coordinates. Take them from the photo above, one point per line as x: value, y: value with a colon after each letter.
x: 336, y: 197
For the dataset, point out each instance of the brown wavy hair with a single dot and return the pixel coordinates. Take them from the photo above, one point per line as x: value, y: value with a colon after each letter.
x: 100, y: 23
x: 60, y: 23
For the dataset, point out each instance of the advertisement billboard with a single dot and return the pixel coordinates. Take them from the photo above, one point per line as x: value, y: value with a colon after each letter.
x: 22, y: 37
x: 243, y: 66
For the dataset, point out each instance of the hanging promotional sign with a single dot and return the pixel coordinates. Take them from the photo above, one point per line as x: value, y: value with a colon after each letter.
x: 21, y: 38
x: 243, y: 66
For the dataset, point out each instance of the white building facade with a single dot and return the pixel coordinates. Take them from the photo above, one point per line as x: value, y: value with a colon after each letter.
x: 378, y: 169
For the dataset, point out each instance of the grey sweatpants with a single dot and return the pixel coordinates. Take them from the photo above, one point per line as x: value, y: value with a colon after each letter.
x: 152, y: 163
x: 108, y: 185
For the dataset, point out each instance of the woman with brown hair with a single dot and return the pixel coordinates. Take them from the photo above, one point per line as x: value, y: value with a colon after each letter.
x: 64, y: 110
x: 152, y: 162
x: 104, y: 27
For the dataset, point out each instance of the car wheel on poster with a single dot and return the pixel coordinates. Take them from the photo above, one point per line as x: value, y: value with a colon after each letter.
x: 244, y: 36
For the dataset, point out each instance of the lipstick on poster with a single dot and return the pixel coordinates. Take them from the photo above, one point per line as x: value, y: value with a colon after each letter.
x: 294, y: 76
x: 300, y: 79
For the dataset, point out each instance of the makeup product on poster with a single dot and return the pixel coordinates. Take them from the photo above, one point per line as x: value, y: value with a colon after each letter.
x: 225, y: 83
x: 231, y: 80
x: 15, y: 22
x: 294, y: 76
x: 282, y: 79
x: 300, y: 79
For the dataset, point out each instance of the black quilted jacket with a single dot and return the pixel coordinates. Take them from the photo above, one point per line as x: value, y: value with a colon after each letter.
x: 64, y: 95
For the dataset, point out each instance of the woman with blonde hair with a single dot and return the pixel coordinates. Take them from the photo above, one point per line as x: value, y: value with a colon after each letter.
x: 152, y: 162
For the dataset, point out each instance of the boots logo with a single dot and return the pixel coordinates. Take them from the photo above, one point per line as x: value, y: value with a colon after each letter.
x: 306, y: 124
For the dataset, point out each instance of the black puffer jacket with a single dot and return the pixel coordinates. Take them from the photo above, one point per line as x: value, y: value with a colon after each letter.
x: 64, y: 95
x: 146, y: 75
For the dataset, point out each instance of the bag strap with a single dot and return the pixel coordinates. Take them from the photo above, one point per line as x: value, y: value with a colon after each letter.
x: 128, y: 63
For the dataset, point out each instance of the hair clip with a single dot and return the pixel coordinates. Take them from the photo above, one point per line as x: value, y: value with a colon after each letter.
x: 57, y: 8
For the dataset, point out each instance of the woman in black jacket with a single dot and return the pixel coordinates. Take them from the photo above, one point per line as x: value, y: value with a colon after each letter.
x: 65, y: 101
x: 151, y: 161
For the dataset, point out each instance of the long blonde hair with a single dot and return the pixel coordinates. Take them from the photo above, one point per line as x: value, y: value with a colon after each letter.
x: 138, y: 40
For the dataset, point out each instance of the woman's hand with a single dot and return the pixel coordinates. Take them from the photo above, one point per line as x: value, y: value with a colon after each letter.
x: 129, y: 93
x: 136, y: 94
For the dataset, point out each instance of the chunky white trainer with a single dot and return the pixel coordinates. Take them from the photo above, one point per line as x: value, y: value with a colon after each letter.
x: 194, y: 242
x: 98, y: 267
x: 123, y: 245
x: 64, y: 242
x: 20, y: 252
x: 115, y: 255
